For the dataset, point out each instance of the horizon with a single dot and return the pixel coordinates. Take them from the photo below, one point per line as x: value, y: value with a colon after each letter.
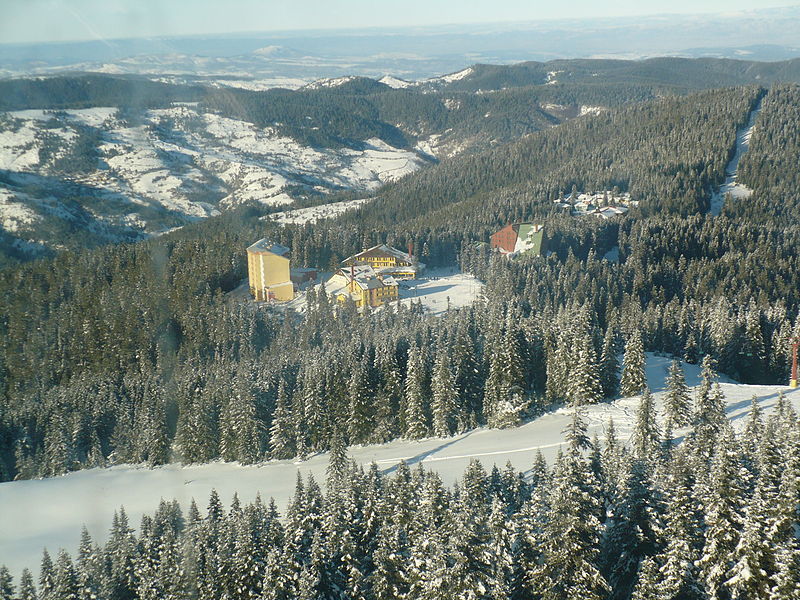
x: 29, y: 26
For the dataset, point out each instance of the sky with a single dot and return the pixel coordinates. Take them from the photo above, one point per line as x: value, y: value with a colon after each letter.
x: 24, y: 21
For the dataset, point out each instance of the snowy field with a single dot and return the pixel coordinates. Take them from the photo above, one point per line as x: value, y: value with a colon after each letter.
x: 732, y: 185
x: 440, y: 289
x: 312, y: 214
x: 49, y: 512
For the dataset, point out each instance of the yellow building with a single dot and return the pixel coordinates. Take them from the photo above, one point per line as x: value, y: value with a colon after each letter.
x: 387, y: 261
x: 268, y: 271
x: 363, y: 285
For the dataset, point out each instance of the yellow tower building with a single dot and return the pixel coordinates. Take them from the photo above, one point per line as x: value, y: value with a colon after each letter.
x: 268, y: 271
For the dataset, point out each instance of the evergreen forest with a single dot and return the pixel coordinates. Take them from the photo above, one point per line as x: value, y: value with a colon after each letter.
x: 137, y: 353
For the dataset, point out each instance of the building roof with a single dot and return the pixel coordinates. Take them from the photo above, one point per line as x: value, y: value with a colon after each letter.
x: 264, y: 245
x: 381, y: 250
x: 366, y: 278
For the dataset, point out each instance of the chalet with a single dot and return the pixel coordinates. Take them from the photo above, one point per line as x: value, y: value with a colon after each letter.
x: 386, y: 260
x: 268, y: 271
x: 520, y: 238
x: 363, y: 285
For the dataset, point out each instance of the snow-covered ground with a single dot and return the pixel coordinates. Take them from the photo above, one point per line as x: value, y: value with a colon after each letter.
x: 731, y: 185
x: 440, y: 289
x: 312, y: 214
x: 50, y: 512
x: 436, y: 289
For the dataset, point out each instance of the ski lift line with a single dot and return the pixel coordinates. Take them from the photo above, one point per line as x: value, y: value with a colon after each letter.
x: 388, y: 461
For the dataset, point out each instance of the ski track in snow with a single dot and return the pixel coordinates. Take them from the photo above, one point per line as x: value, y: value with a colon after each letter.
x: 731, y: 185
x: 50, y: 512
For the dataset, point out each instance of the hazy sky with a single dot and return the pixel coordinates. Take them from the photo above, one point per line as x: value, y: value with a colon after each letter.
x: 61, y: 20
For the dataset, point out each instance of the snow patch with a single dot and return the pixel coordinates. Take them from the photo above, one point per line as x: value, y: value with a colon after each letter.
x: 395, y: 83
x: 312, y: 214
x: 590, y: 110
x: 457, y: 76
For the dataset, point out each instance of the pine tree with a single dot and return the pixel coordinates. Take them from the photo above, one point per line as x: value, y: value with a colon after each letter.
x: 88, y: 568
x: 722, y: 506
x: 633, y: 380
x: 282, y: 432
x: 571, y: 534
x: 709, y: 418
x: 571, y: 537
x: 65, y: 583
x: 389, y: 578
x: 677, y: 401
x: 754, y: 556
x: 6, y: 584
x: 362, y: 410
x: 647, y: 583
x: 679, y: 575
x: 634, y: 531
x: 444, y: 400
x: 609, y: 365
x: 646, y: 438
x: 46, y: 576
x: 27, y: 589
x: 584, y: 386
x: 415, y: 395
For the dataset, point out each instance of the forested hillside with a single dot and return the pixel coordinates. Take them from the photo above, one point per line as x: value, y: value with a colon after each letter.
x: 89, y: 159
x: 135, y: 354
x: 712, y: 517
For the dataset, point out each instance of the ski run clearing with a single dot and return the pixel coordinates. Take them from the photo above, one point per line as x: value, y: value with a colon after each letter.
x: 731, y: 186
x: 50, y: 512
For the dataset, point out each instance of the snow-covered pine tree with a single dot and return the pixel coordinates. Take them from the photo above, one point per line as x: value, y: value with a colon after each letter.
x: 679, y: 575
x: 754, y: 560
x: 787, y: 578
x: 65, y: 583
x: 466, y: 377
x: 609, y: 364
x: 416, y: 395
x: 709, y: 418
x: 27, y: 588
x: 501, y: 550
x: 677, y: 401
x: 445, y: 398
x: 389, y: 579
x: 634, y: 531
x: 647, y: 582
x: 6, y: 584
x: 633, y: 380
x: 723, y: 515
x: 646, y: 438
x: 282, y: 431
x: 88, y: 568
x: 361, y: 420
x: 583, y: 386
x: 571, y: 535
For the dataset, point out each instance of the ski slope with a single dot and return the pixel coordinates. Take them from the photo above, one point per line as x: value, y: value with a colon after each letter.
x: 731, y: 185
x: 50, y: 512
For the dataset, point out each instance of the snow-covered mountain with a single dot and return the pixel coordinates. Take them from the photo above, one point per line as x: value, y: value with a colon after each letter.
x: 157, y: 170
